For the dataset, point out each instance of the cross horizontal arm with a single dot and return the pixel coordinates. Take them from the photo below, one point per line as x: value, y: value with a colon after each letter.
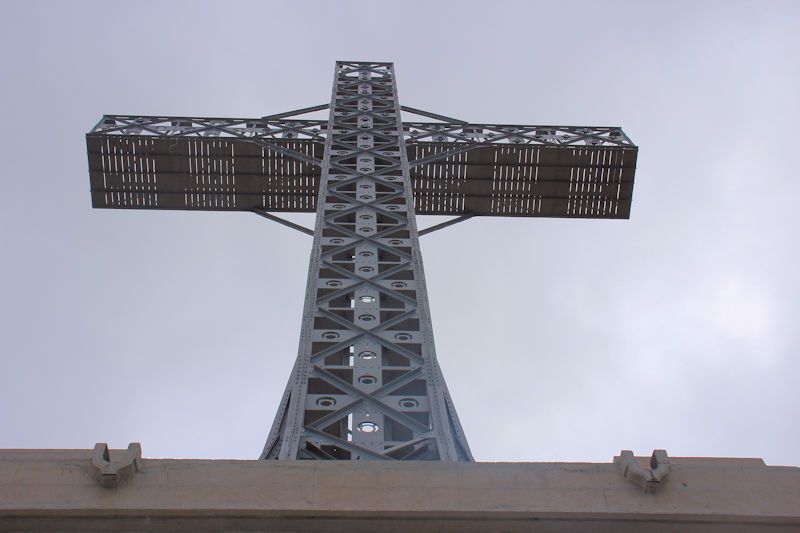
x: 274, y: 166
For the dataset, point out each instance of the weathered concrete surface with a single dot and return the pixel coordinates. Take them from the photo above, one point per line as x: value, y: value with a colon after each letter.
x: 54, y: 490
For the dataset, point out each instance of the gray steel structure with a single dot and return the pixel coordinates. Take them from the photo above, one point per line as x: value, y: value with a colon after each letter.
x: 366, y: 383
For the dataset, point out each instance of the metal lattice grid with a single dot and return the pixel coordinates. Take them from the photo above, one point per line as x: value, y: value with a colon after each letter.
x: 366, y: 384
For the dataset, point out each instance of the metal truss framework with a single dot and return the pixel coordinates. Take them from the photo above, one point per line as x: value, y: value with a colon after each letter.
x: 274, y: 164
x: 366, y: 383
x: 268, y: 130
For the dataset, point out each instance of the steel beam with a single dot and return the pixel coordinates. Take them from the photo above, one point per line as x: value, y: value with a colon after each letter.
x: 366, y: 383
x: 445, y: 224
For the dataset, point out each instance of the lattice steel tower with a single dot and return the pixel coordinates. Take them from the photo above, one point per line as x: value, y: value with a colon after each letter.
x: 366, y: 383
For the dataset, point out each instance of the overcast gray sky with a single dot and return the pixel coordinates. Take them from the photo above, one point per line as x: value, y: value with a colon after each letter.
x: 561, y: 340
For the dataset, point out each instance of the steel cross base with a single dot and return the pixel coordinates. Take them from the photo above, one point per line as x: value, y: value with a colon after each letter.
x: 366, y: 383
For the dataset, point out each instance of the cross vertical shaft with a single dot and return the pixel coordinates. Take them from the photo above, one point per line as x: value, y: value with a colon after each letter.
x: 366, y: 383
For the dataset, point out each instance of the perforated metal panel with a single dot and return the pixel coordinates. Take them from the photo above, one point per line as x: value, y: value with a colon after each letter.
x: 525, y: 180
x: 201, y: 173
x: 574, y: 174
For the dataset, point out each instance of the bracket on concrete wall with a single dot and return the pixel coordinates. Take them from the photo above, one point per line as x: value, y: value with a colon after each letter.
x: 111, y: 473
x: 650, y: 479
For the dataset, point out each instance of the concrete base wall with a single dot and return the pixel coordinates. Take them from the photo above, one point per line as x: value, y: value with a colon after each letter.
x: 55, y: 490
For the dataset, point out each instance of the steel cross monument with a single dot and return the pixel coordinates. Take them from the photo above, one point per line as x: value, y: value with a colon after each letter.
x: 366, y: 383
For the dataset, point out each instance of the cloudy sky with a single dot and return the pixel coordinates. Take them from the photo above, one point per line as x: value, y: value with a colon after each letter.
x: 561, y: 340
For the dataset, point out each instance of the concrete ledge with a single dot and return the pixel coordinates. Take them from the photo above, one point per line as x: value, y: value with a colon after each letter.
x: 54, y: 490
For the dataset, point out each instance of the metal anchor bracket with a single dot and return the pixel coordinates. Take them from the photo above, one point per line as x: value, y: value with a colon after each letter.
x: 650, y: 479
x: 110, y: 473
